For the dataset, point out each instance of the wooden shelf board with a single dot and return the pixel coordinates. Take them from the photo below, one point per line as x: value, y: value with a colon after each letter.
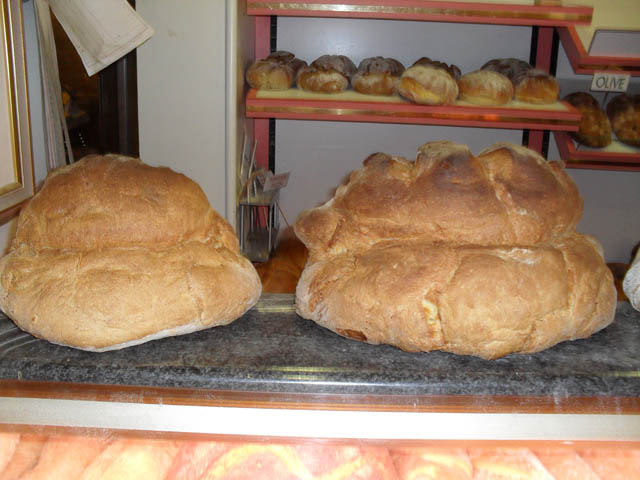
x: 583, y: 63
x: 594, y: 159
x: 565, y: 118
x: 547, y: 13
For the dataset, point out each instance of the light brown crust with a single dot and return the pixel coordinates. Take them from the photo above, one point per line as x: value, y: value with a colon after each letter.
x: 377, y: 76
x: 484, y: 87
x: 531, y: 85
x: 428, y: 85
x: 275, y: 72
x: 481, y: 301
x: 326, y: 74
x: 595, y: 128
x: 470, y: 255
x: 112, y: 252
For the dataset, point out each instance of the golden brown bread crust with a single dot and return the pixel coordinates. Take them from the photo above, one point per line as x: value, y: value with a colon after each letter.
x: 595, y: 129
x: 471, y: 300
x: 484, y: 87
x: 428, y: 84
x: 377, y: 76
x: 508, y: 195
x: 275, y: 72
x: 112, y: 253
x: 470, y: 255
x: 326, y: 74
x: 624, y: 113
x: 531, y: 85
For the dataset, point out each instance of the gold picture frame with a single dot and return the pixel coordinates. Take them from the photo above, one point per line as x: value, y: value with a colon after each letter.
x: 17, y: 182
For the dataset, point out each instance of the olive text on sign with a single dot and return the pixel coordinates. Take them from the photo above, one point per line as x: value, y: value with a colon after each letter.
x: 610, y: 82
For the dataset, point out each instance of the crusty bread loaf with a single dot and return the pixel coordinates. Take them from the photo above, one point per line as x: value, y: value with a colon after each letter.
x: 595, y: 129
x: 624, y: 113
x: 471, y: 300
x: 430, y: 82
x: 530, y: 85
x: 112, y: 252
x: 377, y: 76
x: 484, y: 87
x: 470, y: 255
x: 326, y: 74
x: 508, y: 195
x: 276, y: 72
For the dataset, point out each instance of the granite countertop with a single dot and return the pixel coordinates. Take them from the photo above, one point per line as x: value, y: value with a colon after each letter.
x: 270, y: 349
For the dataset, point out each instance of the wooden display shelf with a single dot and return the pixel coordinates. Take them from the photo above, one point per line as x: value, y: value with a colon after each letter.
x: 535, y: 12
x: 584, y: 63
x: 349, y: 108
x: 595, y: 159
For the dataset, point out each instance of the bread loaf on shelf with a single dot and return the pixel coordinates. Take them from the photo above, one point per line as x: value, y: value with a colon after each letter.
x: 484, y: 87
x: 112, y: 252
x: 624, y: 113
x: 531, y: 85
x: 327, y: 74
x: 430, y: 82
x: 275, y: 72
x: 378, y: 76
x: 470, y: 255
x: 595, y: 129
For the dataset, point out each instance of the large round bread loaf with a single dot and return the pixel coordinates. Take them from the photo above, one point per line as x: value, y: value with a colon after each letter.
x: 508, y: 195
x: 470, y: 255
x: 112, y: 252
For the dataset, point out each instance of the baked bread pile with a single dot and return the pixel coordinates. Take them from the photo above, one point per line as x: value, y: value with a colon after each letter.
x: 112, y: 252
x: 470, y: 255
x: 426, y: 81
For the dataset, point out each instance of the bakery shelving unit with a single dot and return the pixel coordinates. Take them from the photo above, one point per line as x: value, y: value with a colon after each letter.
x: 545, y: 15
x: 618, y: 156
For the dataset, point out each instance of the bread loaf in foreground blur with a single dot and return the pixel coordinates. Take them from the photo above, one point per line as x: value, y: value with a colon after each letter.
x: 112, y: 252
x: 470, y: 255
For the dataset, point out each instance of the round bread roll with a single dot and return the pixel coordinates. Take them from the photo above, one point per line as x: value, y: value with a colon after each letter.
x: 530, y: 85
x: 484, y: 87
x: 377, y: 76
x: 112, y: 253
x: 624, y: 113
x: 428, y: 85
x: 326, y: 74
x: 537, y: 87
x: 276, y: 72
x: 470, y: 255
x: 595, y: 129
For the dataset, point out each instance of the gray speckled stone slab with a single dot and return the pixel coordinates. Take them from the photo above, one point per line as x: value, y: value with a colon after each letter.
x: 271, y: 349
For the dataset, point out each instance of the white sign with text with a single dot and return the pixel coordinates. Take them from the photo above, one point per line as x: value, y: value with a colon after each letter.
x: 610, y: 82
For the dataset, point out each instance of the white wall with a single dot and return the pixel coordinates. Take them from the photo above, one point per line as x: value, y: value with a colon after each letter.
x: 320, y: 154
x: 181, y: 91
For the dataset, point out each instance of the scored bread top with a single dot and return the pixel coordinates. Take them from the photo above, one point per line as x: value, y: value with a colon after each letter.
x: 508, y: 195
x: 118, y: 201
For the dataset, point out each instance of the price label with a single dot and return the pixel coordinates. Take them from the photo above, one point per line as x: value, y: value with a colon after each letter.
x: 610, y: 82
x: 275, y: 182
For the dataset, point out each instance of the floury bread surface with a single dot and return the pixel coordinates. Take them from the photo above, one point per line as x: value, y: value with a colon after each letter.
x: 112, y: 252
x: 470, y: 255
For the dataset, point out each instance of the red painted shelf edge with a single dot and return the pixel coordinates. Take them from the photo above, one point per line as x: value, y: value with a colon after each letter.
x: 583, y: 63
x: 589, y: 159
x: 408, y: 113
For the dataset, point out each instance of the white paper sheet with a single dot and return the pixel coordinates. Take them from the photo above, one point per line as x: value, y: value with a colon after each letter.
x: 102, y: 31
